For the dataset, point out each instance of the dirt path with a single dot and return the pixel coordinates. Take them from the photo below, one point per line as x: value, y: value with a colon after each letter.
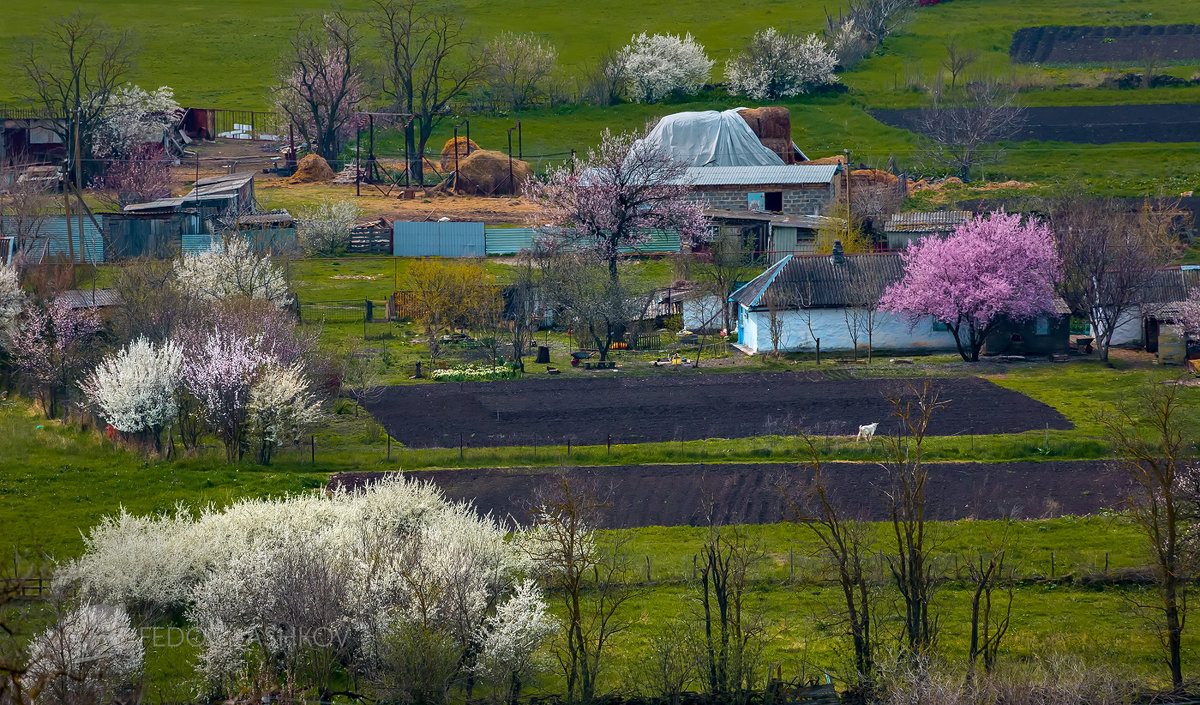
x: 681, y: 495
x: 686, y: 407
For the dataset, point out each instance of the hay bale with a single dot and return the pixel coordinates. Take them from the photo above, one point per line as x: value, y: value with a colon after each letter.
x: 311, y: 169
x: 836, y: 160
x: 873, y: 176
x: 781, y: 146
x: 486, y: 173
x: 770, y: 122
x: 465, y: 148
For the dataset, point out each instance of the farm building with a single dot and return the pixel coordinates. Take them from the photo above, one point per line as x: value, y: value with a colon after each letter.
x: 771, y: 236
x: 1156, y: 306
x: 829, y: 298
x: 904, y: 228
x: 796, y: 189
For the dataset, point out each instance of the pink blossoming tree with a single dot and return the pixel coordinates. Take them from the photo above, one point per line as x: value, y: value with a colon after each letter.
x: 51, y: 347
x: 990, y: 269
x: 625, y: 189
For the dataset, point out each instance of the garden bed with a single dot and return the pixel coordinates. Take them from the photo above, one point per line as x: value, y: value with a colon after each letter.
x: 683, y: 495
x: 596, y: 410
x: 1171, y: 44
x: 1087, y: 124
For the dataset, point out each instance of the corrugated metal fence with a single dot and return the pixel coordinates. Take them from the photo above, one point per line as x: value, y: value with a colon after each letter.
x: 269, y: 240
x: 438, y: 239
x: 52, y: 238
x: 474, y: 240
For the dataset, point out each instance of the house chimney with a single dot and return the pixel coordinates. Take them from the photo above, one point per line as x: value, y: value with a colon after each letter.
x: 839, y: 254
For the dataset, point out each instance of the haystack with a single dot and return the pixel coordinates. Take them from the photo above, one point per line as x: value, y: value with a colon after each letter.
x: 836, y: 160
x: 465, y: 148
x: 873, y: 176
x: 311, y: 169
x: 486, y: 173
x: 771, y: 122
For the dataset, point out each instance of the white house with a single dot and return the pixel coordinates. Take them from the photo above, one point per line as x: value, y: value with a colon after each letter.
x: 1156, y: 305
x: 828, y: 298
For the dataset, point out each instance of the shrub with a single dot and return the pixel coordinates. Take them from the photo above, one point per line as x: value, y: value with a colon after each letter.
x: 658, y: 65
x: 85, y: 656
x: 325, y: 228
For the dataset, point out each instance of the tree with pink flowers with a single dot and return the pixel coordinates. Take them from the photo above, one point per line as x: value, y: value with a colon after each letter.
x: 992, y: 268
x: 625, y: 189
x: 52, y: 346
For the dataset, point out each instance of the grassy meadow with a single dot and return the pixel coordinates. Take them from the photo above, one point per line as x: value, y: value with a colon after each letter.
x: 233, y: 50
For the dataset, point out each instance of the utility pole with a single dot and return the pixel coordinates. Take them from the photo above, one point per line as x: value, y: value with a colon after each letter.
x: 848, y: 219
x: 79, y: 188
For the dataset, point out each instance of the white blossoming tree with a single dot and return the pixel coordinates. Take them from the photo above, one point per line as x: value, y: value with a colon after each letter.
x: 220, y: 373
x: 510, y: 640
x: 12, y: 301
x: 135, y: 116
x: 230, y: 268
x: 324, y: 229
x: 775, y: 65
x: 281, y: 408
x: 136, y: 389
x: 290, y: 590
x: 89, y: 653
x: 657, y: 65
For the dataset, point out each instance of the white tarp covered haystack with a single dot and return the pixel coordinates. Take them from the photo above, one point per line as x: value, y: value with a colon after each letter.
x: 711, y: 138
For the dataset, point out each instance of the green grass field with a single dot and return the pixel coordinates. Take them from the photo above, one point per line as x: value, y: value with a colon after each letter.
x: 226, y: 56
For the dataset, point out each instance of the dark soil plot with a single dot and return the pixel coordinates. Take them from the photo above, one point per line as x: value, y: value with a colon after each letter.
x: 680, y: 495
x: 1171, y: 44
x: 1087, y: 124
x: 684, y: 407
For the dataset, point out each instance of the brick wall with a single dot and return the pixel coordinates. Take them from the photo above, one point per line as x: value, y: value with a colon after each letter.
x: 797, y: 200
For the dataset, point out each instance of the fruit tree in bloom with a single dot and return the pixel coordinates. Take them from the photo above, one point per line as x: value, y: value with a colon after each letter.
x: 990, y: 269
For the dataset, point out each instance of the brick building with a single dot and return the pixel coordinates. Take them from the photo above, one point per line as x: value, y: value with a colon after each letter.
x: 791, y: 189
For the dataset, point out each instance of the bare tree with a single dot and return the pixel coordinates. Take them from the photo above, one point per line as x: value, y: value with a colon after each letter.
x: 960, y: 125
x: 590, y: 575
x: 1148, y: 436
x: 525, y: 305
x: 27, y: 203
x: 74, y: 67
x: 603, y: 79
x: 320, y: 85
x: 990, y: 620
x: 595, y: 305
x: 958, y: 59
x: 151, y: 303
x: 880, y: 18
x: 725, y: 262
x: 427, y: 62
x: 1109, y: 257
x: 517, y: 68
x: 729, y: 657
x: 776, y: 322
x: 912, y: 565
x: 362, y: 375
x: 861, y: 311
x: 847, y: 544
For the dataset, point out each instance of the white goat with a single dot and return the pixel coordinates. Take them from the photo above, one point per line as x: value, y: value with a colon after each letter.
x: 867, y: 432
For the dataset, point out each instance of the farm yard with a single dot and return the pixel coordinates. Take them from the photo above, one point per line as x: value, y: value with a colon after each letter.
x: 687, y: 408
x: 676, y: 354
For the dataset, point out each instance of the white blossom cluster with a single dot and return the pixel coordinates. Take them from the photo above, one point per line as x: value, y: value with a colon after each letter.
x: 509, y: 640
x: 358, y: 567
x: 12, y: 300
x: 325, y: 228
x: 137, y: 388
x: 231, y: 268
x: 778, y: 65
x: 657, y: 65
x: 85, y: 656
x: 281, y: 405
x: 136, y: 116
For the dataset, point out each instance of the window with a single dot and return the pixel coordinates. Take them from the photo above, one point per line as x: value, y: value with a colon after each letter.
x: 1041, y: 326
x: 773, y: 200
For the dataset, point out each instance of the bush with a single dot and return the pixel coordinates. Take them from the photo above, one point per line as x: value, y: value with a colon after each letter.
x: 325, y: 229
x: 778, y: 65
x: 659, y: 65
